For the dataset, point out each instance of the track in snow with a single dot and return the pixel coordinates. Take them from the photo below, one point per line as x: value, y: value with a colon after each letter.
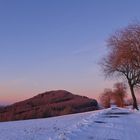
x: 112, y: 124
x: 109, y: 124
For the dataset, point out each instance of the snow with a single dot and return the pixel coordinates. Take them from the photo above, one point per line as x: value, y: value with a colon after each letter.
x: 108, y: 124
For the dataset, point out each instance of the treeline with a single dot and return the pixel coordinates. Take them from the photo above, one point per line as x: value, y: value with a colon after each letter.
x: 114, y: 96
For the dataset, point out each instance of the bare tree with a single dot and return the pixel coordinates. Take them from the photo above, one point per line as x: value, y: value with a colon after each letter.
x: 123, y: 58
x: 105, y: 98
x: 119, y: 93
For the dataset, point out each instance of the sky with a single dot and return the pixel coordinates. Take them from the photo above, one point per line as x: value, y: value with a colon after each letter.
x: 57, y: 44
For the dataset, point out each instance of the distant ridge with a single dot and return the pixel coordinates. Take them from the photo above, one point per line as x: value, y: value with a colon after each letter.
x: 48, y: 104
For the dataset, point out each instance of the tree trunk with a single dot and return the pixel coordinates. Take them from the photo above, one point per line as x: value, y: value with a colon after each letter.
x: 135, y: 106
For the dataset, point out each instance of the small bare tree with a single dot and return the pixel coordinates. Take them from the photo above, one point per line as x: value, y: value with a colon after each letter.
x: 123, y: 58
x: 105, y: 98
x: 119, y: 93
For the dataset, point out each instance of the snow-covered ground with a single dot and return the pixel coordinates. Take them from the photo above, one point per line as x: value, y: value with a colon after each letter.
x: 108, y: 124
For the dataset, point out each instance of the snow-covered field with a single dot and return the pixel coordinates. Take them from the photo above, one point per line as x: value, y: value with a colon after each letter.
x: 108, y: 124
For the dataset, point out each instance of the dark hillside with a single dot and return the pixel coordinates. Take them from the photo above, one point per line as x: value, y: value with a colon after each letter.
x: 48, y: 104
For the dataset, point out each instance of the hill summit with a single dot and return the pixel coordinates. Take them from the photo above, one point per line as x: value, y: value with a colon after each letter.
x: 48, y: 104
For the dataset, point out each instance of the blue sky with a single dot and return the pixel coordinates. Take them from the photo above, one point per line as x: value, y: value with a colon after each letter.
x: 57, y: 44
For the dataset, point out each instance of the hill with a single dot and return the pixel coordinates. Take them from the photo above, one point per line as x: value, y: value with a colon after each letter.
x: 48, y: 104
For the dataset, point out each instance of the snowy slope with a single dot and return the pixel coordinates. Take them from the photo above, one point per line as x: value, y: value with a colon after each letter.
x: 109, y: 124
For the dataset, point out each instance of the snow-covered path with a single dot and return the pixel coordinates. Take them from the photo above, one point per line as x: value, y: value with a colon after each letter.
x: 112, y: 124
x: 109, y: 124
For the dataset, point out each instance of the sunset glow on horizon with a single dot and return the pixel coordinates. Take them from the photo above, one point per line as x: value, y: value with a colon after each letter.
x: 52, y: 45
